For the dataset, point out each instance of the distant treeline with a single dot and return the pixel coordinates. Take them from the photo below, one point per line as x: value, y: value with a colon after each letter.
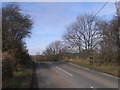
x: 87, y: 37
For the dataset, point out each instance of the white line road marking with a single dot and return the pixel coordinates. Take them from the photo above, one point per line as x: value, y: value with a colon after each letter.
x: 111, y: 75
x: 79, y: 66
x: 95, y: 71
x: 91, y: 87
x: 63, y: 71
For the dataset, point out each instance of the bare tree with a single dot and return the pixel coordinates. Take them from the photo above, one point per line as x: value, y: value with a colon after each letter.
x: 83, y: 33
x: 72, y: 38
x: 54, y: 48
x: 109, y: 44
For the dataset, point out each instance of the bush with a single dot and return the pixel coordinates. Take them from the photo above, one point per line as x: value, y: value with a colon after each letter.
x: 8, y: 64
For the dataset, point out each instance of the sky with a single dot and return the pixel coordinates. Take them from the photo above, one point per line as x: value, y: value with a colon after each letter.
x: 51, y: 19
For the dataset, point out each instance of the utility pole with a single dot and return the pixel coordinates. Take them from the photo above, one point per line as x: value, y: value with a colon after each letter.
x: 117, y: 8
x: 118, y: 30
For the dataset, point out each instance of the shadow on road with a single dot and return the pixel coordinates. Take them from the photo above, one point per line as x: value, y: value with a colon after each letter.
x: 34, y: 82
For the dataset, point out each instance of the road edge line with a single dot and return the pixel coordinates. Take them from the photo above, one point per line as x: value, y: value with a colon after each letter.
x: 95, y: 70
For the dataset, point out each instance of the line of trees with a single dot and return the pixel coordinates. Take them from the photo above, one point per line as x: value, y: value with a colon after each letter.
x: 88, y: 37
x: 16, y: 26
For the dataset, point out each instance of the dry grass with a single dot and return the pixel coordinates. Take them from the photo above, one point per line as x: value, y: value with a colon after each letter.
x: 21, y: 79
x: 107, y: 68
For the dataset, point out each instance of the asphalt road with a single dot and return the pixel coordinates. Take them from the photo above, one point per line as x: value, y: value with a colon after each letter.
x: 67, y: 75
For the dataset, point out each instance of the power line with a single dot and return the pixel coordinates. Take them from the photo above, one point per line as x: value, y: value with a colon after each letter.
x: 97, y: 6
x: 97, y: 12
x: 100, y: 9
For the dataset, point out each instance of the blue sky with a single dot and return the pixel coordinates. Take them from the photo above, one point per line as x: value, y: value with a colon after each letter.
x: 51, y: 18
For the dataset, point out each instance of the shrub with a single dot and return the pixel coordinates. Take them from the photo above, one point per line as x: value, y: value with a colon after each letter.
x: 8, y: 64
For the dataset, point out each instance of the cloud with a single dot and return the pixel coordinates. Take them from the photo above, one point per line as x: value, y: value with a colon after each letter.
x: 50, y: 20
x: 57, y: 1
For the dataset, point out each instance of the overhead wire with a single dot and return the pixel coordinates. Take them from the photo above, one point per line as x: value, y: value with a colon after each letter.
x: 97, y: 11
x: 100, y: 9
x: 97, y: 6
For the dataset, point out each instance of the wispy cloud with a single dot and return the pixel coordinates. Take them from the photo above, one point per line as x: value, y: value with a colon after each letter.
x: 50, y: 20
x: 57, y: 0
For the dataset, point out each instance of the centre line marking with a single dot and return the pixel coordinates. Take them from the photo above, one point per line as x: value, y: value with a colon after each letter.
x: 91, y: 87
x: 64, y: 71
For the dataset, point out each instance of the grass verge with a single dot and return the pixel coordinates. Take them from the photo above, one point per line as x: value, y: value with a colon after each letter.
x: 109, y: 69
x: 21, y: 79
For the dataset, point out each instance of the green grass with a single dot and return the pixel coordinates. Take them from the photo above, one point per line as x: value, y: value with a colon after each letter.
x: 109, y: 69
x: 21, y: 79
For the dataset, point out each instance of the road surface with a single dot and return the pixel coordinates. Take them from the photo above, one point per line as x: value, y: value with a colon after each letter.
x: 67, y: 75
